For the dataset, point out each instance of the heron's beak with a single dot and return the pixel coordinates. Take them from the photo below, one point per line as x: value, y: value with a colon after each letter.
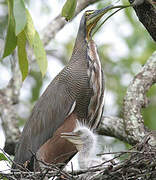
x: 72, y: 137
x: 96, y: 15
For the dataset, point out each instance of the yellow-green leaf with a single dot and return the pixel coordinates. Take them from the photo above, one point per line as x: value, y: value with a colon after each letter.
x: 22, y: 55
x: 68, y: 9
x: 40, y: 53
x: 11, y: 40
x: 36, y: 43
x: 20, y: 15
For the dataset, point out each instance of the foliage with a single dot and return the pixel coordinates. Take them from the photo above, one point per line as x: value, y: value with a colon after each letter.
x: 68, y: 9
x: 20, y: 30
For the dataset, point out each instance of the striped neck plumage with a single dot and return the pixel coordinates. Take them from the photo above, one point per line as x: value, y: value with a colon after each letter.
x: 95, y: 75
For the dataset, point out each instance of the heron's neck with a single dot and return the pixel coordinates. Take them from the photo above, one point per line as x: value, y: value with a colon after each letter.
x: 80, y: 49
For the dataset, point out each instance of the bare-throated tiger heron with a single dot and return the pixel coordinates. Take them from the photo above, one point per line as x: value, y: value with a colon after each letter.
x: 77, y: 92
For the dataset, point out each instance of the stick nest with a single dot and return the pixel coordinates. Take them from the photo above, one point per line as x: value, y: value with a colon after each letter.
x: 138, y: 163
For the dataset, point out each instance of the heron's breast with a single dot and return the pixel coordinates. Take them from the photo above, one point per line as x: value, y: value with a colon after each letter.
x: 95, y: 74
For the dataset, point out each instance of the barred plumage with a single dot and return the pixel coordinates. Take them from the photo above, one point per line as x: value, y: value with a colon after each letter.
x: 75, y: 93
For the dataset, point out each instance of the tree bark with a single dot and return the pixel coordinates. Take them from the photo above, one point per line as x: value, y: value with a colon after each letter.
x: 146, y: 12
x: 9, y: 99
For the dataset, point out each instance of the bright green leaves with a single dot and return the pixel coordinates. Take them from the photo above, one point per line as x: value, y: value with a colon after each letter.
x: 10, y: 42
x: 22, y: 55
x: 68, y: 9
x: 19, y: 15
x: 36, y: 43
x: 21, y: 30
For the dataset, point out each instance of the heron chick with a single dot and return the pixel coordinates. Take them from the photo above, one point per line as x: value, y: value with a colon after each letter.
x: 86, y: 143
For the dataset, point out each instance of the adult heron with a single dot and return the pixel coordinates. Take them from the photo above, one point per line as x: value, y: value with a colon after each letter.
x: 77, y: 92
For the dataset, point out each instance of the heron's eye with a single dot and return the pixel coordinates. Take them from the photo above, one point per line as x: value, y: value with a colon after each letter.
x: 89, y: 12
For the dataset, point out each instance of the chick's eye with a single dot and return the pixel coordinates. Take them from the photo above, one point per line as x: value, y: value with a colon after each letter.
x: 79, y: 132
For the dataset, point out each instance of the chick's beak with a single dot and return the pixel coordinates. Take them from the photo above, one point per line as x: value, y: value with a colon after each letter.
x: 68, y: 135
x: 72, y: 137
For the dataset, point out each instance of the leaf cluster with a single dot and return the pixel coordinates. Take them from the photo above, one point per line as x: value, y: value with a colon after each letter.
x: 20, y: 30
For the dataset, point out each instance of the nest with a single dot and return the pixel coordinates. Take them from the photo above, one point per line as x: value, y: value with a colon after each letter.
x: 138, y: 163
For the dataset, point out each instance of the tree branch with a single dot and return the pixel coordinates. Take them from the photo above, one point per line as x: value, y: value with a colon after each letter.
x: 9, y: 98
x: 114, y: 127
x: 146, y: 12
x: 131, y: 128
x: 136, y: 99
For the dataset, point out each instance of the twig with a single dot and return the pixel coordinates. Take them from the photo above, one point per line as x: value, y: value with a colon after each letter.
x: 137, y: 165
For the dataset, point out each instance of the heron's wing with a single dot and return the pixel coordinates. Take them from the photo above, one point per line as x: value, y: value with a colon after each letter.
x: 47, y: 115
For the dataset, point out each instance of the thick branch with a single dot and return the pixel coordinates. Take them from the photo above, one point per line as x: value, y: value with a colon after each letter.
x: 114, y: 127
x: 136, y: 98
x: 131, y: 129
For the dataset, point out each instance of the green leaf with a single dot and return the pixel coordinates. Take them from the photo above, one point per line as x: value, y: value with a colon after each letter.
x: 11, y: 40
x: 36, y: 43
x: 20, y: 15
x: 22, y: 55
x: 4, y: 178
x: 40, y: 53
x: 69, y: 9
x: 2, y: 157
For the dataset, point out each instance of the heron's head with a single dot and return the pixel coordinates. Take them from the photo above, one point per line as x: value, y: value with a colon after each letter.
x: 81, y: 136
x: 90, y: 19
